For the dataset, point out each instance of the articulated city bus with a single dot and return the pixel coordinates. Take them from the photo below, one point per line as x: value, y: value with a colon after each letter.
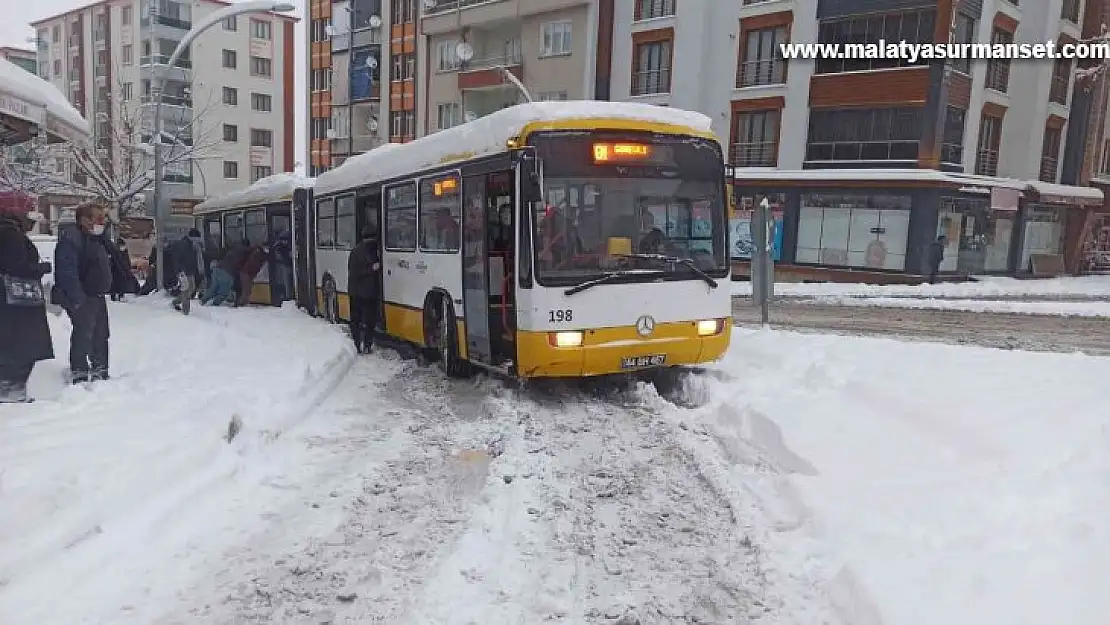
x: 259, y: 214
x: 546, y: 240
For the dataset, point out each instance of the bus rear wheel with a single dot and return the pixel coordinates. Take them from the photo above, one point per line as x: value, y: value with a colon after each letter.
x: 449, y: 360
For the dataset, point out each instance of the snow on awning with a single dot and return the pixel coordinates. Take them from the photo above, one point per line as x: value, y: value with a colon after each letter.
x: 31, y: 100
x: 1065, y: 194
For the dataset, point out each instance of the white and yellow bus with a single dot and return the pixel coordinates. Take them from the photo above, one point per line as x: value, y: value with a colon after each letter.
x: 546, y: 240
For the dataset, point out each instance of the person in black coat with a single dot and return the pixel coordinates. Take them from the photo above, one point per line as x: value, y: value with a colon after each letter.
x: 83, y: 275
x: 363, y: 280
x: 188, y: 259
x: 123, y: 281
x: 24, y: 332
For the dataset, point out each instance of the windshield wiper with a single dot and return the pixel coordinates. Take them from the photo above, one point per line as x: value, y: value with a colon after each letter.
x: 605, y: 277
x: 675, y: 260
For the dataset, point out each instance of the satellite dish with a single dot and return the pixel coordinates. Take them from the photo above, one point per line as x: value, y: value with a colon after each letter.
x: 464, y: 51
x: 372, y: 125
x: 429, y: 4
x: 470, y: 116
x: 374, y: 21
x: 371, y: 62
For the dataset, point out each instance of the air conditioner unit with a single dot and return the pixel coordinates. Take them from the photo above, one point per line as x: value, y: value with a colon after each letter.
x: 331, y: 134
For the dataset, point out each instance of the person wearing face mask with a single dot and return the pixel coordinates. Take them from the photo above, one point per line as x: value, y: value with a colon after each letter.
x: 83, y: 277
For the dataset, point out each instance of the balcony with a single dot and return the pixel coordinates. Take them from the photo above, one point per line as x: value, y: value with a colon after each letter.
x: 754, y: 154
x: 485, y: 73
x: 162, y: 59
x: 170, y: 100
x: 176, y: 23
x: 452, y: 15
x: 447, y: 6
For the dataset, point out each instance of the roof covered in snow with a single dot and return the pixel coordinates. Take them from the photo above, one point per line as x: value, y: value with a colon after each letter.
x: 488, y: 135
x: 33, y: 99
x: 972, y: 182
x: 276, y: 188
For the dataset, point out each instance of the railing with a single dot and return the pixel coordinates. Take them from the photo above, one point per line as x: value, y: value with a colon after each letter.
x: 651, y: 9
x: 986, y: 163
x: 169, y: 100
x: 651, y: 81
x: 952, y: 153
x: 166, y: 20
x: 998, y: 74
x: 1048, y: 169
x: 761, y: 72
x: 515, y: 58
x: 162, y: 59
x: 1058, y: 92
x: 754, y: 154
x: 445, y: 6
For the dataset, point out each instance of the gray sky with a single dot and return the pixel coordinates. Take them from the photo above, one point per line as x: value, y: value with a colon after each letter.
x: 14, y: 31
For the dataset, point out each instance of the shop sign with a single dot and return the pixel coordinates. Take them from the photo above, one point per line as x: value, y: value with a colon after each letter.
x: 18, y: 107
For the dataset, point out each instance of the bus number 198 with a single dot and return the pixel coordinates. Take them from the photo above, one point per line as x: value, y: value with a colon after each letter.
x: 561, y: 316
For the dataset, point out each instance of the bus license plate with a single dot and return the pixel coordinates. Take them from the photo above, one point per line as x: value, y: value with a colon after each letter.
x: 636, y: 362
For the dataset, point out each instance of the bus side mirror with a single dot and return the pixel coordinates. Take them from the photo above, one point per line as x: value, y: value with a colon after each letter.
x: 530, y: 188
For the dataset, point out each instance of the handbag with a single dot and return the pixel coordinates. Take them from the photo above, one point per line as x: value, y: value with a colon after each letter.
x: 22, y: 291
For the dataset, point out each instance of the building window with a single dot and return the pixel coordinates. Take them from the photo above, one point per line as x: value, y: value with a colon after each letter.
x: 965, y: 33
x: 1061, y: 79
x: 651, y: 9
x: 127, y: 91
x: 1044, y: 234
x: 1050, y: 153
x: 57, y: 67
x: 1069, y: 11
x: 128, y: 53
x: 440, y: 213
x: 261, y: 29
x: 864, y: 135
x: 56, y: 34
x: 910, y: 26
x: 400, y: 218
x: 552, y: 96
x: 854, y: 230
x: 231, y: 133
x: 952, y: 147
x: 555, y: 38
x: 232, y: 23
x: 990, y: 138
x: 229, y: 59
x: 404, y: 67
x: 258, y: 172
x: 651, y: 68
x: 1105, y: 168
x: 125, y: 16
x: 402, y: 124
x: 341, y: 121
x: 762, y: 62
x: 755, y: 139
x: 321, y: 79
x: 403, y: 11
x: 231, y: 96
x: 320, y: 127
x: 364, y: 69
x: 448, y: 115
x: 262, y: 68
x: 445, y: 56
x: 325, y: 223
x: 319, y: 31
x: 231, y: 169
x: 262, y: 138
x: 998, y: 69
x: 262, y: 102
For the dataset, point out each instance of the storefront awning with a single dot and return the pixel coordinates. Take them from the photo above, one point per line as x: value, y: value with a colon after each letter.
x: 29, y: 105
x: 1050, y: 193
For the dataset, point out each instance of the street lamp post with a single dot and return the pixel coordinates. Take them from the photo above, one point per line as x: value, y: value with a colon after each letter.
x: 258, y: 6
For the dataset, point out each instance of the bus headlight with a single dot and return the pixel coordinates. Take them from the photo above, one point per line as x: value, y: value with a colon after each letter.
x: 709, y: 327
x: 565, y: 339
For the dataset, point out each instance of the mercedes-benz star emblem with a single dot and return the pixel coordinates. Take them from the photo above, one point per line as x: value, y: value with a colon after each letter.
x: 645, y: 325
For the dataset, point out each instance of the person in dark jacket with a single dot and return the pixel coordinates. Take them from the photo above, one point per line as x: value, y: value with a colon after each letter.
x: 363, y: 280
x: 257, y: 258
x: 233, y: 261
x: 123, y: 281
x: 83, y: 276
x: 282, y: 246
x: 936, y: 257
x: 188, y: 259
x: 24, y: 332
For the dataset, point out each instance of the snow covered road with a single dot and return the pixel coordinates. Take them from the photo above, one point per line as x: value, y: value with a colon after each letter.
x: 820, y: 479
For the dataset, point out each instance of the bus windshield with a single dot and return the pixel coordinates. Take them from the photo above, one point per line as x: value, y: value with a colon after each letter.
x: 617, y: 202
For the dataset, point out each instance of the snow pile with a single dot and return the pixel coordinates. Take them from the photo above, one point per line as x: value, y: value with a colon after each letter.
x: 28, y: 86
x: 488, y: 134
x: 925, y: 483
x: 276, y: 188
x: 985, y: 287
x: 89, y: 475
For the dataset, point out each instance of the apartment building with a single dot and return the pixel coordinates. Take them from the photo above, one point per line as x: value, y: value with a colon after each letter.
x: 228, y: 109
x: 19, y: 56
x: 445, y: 61
x: 972, y: 148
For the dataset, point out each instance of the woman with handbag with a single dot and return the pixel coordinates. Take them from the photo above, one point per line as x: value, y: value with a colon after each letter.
x: 24, y: 332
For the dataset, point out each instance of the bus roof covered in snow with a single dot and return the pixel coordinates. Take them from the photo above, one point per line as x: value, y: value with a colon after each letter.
x: 491, y: 134
x: 276, y: 188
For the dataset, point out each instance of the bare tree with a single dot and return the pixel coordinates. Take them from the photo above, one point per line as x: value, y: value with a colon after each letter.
x: 118, y: 164
x: 29, y: 168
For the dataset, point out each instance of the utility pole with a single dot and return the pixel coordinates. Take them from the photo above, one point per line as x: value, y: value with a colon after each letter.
x: 763, y: 264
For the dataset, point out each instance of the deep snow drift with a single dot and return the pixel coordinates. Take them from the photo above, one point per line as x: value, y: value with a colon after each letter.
x: 822, y: 479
